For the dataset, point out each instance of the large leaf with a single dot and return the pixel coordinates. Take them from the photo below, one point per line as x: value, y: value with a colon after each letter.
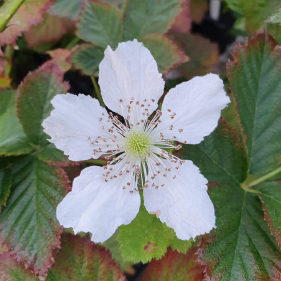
x: 256, y: 83
x: 146, y: 237
x: 242, y: 247
x: 220, y: 157
x: 270, y: 194
x: 166, y: 54
x: 28, y: 223
x: 13, y: 140
x: 80, y: 259
x: 33, y: 100
x: 174, y: 266
x: 10, y: 270
x: 255, y: 12
x: 182, y: 21
x: 100, y: 24
x: 143, y: 17
x: 87, y: 58
x: 203, y: 55
x: 30, y: 13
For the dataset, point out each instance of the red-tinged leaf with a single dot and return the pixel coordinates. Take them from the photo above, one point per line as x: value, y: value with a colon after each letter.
x: 203, y: 55
x: 51, y: 29
x: 241, y: 247
x: 28, y: 224
x: 164, y: 51
x: 30, y: 13
x: 182, y: 21
x: 255, y: 79
x: 270, y: 195
x: 80, y: 259
x: 198, y: 8
x: 62, y: 58
x: 175, y: 266
x: 33, y: 100
x: 10, y: 270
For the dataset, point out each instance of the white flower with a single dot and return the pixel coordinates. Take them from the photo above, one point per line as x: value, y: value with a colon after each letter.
x: 103, y: 198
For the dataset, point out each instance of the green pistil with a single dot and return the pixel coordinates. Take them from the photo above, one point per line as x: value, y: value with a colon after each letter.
x: 137, y: 144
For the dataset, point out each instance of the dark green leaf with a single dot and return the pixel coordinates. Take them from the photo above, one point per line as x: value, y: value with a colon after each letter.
x: 28, y: 223
x: 100, y: 24
x: 220, y: 156
x: 33, y: 101
x: 13, y: 140
x: 80, y: 259
x: 242, y: 247
x: 52, y: 155
x: 87, y: 58
x: 256, y: 83
x: 144, y: 17
x: 166, y: 54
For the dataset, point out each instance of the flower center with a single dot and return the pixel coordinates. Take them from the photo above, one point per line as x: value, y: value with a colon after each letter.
x: 137, y: 143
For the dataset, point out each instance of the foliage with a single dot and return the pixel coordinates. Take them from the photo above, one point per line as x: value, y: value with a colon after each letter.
x: 62, y: 39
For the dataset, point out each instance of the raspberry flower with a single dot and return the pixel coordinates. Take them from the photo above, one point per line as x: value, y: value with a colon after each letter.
x: 136, y: 137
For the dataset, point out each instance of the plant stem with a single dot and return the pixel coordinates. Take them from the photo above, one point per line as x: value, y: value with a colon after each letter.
x: 96, y: 162
x: 265, y: 177
x: 8, y: 60
x: 72, y: 43
x: 8, y: 11
x: 97, y: 91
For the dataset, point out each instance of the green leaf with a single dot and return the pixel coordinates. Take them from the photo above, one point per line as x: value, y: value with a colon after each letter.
x: 28, y: 223
x: 13, y: 140
x: 29, y: 13
x: 80, y: 259
x: 166, y: 54
x: 33, y: 100
x: 144, y: 17
x: 10, y: 270
x: 270, y: 195
x: 242, y: 247
x: 174, y: 266
x: 66, y: 9
x: 255, y: 12
x: 87, y: 58
x: 256, y: 83
x: 221, y: 156
x: 53, y: 156
x: 100, y: 24
x: 203, y: 55
x: 5, y: 185
x: 276, y: 17
x: 146, y: 237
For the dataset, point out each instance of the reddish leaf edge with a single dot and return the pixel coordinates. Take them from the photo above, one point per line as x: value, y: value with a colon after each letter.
x: 42, y: 273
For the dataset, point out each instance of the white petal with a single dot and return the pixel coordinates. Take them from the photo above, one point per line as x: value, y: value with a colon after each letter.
x: 197, y: 104
x: 96, y: 206
x: 130, y: 72
x: 182, y: 203
x: 74, y: 125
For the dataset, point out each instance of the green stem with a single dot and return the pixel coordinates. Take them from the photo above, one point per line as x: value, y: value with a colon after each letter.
x: 8, y: 60
x: 265, y: 177
x: 72, y: 43
x: 9, y: 11
x: 96, y: 162
x: 97, y: 91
